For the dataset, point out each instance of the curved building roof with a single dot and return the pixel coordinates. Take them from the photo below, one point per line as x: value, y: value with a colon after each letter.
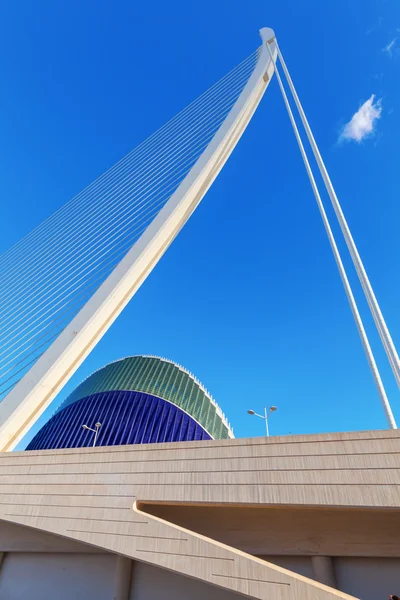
x: 125, y: 417
x: 161, y: 378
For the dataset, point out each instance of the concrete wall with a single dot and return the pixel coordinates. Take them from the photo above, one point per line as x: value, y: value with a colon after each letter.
x: 44, y: 576
x: 77, y: 576
x: 368, y: 578
x: 335, y: 495
x: 299, y: 564
x: 295, y: 530
x: 68, y: 576
x: 17, y: 538
x: 152, y: 583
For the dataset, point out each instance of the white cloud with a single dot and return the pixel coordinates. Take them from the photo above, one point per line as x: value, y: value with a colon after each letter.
x: 389, y: 48
x: 363, y: 122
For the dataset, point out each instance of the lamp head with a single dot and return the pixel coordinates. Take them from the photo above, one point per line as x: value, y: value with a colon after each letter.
x: 251, y: 412
x: 272, y: 408
x: 98, y: 425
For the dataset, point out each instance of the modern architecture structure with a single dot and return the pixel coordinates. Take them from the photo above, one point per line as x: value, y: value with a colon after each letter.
x: 67, y: 281
x: 311, y: 517
x: 136, y: 400
x: 290, y: 518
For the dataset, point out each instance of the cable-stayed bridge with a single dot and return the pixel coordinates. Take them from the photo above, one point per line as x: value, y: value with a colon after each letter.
x: 64, y: 284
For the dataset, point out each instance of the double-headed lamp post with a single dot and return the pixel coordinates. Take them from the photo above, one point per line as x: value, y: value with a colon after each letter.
x: 265, y: 416
x: 95, y: 431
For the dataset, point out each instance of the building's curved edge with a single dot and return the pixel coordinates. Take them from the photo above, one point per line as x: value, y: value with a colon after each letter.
x: 29, y: 447
x: 219, y: 411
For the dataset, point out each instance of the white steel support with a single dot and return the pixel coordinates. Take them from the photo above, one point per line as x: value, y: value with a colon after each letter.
x: 33, y: 394
x: 362, y: 275
x: 357, y: 318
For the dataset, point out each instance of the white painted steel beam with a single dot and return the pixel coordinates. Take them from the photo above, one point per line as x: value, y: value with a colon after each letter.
x: 33, y: 394
x: 376, y: 312
x: 342, y: 271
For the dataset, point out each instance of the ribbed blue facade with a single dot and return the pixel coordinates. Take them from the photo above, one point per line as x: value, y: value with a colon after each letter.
x: 126, y: 417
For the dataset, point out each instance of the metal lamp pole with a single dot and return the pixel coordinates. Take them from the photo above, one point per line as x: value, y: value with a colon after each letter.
x: 265, y: 416
x: 95, y: 431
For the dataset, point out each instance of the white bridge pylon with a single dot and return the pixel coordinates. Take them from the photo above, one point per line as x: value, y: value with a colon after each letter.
x: 25, y: 403
x: 185, y: 169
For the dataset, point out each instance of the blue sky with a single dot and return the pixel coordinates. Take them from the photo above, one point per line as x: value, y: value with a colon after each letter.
x: 248, y: 297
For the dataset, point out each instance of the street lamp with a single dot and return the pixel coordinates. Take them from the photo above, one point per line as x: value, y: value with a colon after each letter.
x: 265, y: 416
x: 95, y: 431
